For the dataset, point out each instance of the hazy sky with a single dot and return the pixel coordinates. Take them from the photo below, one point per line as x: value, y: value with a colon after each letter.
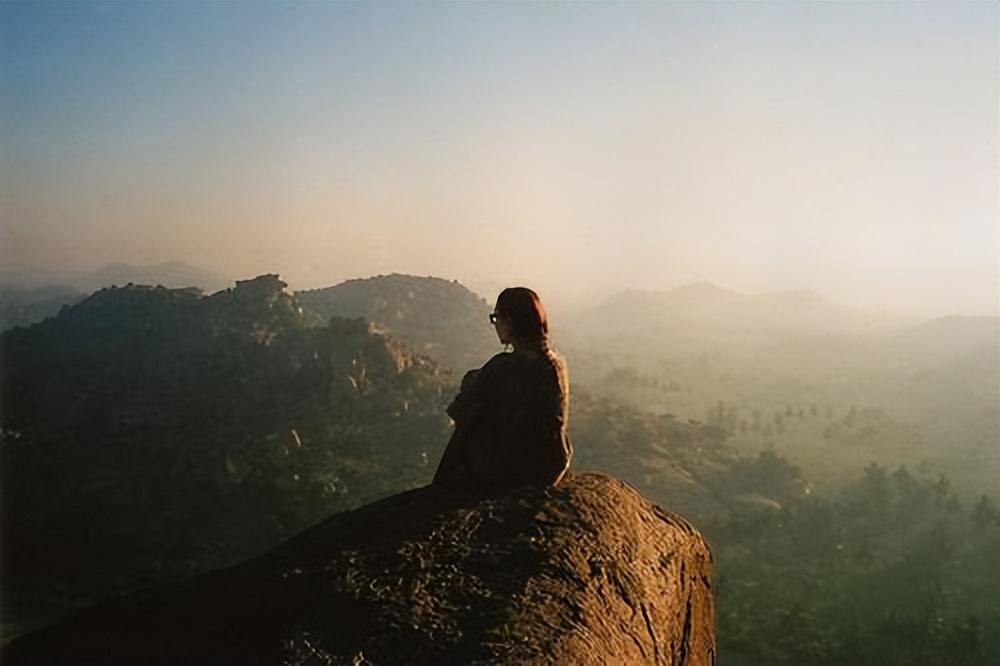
x: 850, y: 148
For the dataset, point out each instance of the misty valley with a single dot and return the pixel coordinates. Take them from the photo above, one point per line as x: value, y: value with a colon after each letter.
x: 844, y: 467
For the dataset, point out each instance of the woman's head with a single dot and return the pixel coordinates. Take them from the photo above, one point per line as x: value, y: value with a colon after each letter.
x: 521, y: 318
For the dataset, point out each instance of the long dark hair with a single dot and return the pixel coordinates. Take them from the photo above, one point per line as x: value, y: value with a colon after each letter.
x: 524, y: 309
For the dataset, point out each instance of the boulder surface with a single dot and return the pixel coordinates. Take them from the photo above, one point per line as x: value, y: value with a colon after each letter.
x: 588, y: 572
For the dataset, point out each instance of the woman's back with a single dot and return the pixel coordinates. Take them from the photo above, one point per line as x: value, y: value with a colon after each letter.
x: 531, y: 416
x: 510, y: 423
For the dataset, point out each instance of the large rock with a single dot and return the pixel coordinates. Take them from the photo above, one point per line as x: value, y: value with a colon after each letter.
x: 586, y: 573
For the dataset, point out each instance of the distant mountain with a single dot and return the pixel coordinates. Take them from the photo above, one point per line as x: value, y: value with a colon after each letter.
x: 699, y: 316
x: 947, y: 370
x: 951, y: 336
x: 29, y: 295
x: 439, y: 318
x: 21, y: 276
x: 23, y: 306
x: 172, y: 274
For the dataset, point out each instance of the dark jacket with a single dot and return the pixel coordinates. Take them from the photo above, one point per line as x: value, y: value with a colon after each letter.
x: 510, y: 424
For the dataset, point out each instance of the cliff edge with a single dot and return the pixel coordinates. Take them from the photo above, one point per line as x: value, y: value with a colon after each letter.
x: 588, y: 572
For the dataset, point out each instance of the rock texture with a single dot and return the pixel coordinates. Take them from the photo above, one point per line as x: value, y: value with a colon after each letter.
x: 586, y: 573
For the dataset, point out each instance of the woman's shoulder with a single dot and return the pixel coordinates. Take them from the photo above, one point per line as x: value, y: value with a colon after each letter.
x: 511, y: 361
x: 499, y: 363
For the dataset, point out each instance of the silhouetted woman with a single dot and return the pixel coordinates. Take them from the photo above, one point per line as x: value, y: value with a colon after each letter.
x: 511, y: 414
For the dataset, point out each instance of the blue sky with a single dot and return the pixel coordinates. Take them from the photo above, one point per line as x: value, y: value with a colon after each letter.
x: 850, y: 148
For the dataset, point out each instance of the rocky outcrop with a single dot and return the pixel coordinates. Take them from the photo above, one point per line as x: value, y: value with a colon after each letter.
x: 437, y: 318
x: 588, y: 572
x: 148, y: 434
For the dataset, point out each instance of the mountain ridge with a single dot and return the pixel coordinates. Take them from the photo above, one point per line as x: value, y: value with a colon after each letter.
x: 439, y: 318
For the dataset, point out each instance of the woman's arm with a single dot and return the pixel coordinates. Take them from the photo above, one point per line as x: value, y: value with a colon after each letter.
x: 479, y: 412
x: 479, y: 388
x: 464, y: 405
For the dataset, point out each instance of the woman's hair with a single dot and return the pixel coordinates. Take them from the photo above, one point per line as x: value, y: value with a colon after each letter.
x: 524, y: 309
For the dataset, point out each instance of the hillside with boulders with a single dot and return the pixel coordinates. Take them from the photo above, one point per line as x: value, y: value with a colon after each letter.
x: 149, y: 433
x: 438, y: 318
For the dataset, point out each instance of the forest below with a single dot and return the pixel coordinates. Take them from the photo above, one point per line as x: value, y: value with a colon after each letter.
x: 843, y: 469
